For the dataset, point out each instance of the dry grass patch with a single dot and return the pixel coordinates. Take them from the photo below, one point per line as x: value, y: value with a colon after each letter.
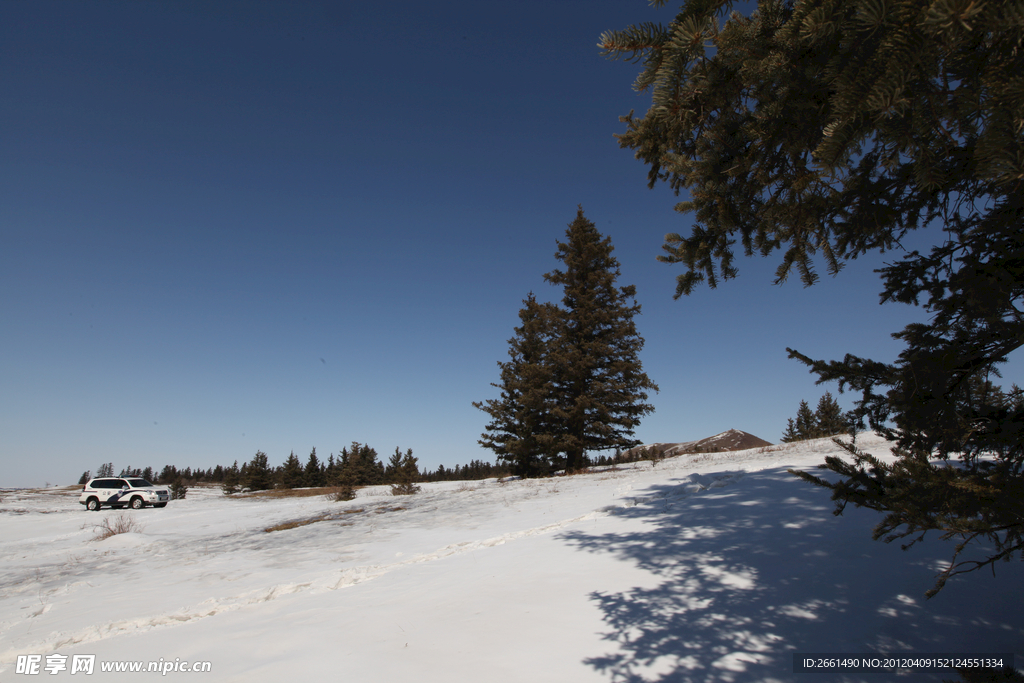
x: 322, y: 517
x: 53, y: 490
x: 296, y: 523
x: 112, y: 526
x: 288, y: 493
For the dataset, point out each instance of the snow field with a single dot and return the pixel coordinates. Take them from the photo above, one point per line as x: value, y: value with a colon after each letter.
x: 709, y: 567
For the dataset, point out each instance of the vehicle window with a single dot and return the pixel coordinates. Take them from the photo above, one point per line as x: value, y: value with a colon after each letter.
x: 137, y: 483
x: 120, y: 484
x: 105, y: 484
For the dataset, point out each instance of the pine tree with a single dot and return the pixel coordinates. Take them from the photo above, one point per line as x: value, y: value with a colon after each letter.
x: 291, y: 473
x: 258, y: 475
x: 834, y: 129
x: 178, y: 490
x: 394, y: 466
x: 790, y: 435
x: 344, y: 480
x: 574, y: 382
x: 331, y: 471
x: 806, y: 424
x: 360, y: 467
x: 600, y: 386
x: 168, y: 474
x: 520, y: 428
x: 313, y: 475
x: 232, y: 482
x: 84, y: 479
x: 405, y: 473
x: 829, y: 418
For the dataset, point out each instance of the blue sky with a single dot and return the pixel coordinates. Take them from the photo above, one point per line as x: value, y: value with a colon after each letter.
x: 241, y: 226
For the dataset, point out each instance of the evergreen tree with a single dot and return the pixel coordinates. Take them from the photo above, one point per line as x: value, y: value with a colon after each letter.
x: 360, y: 467
x: 574, y: 382
x: 292, y: 474
x: 258, y: 475
x: 178, y: 490
x: 331, y: 471
x: 834, y: 129
x: 314, y: 473
x: 232, y: 482
x: 84, y: 479
x: 600, y: 384
x: 520, y: 431
x: 344, y: 480
x: 393, y: 466
x: 105, y: 470
x: 168, y: 474
x: 406, y: 473
x: 790, y: 435
x: 806, y: 424
x: 829, y: 418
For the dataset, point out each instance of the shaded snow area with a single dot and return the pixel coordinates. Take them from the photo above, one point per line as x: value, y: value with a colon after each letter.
x: 704, y: 568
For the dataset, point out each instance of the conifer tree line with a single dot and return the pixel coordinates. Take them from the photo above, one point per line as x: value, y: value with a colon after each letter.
x: 574, y: 382
x: 827, y: 420
x: 357, y: 465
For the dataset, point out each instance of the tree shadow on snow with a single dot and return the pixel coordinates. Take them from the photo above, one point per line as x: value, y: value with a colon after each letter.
x: 752, y: 567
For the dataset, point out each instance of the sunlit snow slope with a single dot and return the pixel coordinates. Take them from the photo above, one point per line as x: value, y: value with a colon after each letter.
x: 706, y: 567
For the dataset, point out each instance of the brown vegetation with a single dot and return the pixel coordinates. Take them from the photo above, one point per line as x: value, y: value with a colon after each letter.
x: 112, y: 526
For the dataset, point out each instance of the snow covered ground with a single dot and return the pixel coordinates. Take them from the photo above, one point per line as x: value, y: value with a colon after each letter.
x: 705, y: 568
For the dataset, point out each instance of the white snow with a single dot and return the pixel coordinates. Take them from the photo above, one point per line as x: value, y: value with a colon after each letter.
x: 704, y: 568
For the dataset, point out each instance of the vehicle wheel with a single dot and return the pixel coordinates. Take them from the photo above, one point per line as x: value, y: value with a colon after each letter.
x: 93, y: 505
x: 137, y: 504
x: 159, y: 505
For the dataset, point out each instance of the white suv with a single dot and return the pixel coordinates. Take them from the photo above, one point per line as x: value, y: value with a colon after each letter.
x: 120, y: 491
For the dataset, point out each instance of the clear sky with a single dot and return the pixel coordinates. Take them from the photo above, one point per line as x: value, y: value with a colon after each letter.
x: 238, y: 226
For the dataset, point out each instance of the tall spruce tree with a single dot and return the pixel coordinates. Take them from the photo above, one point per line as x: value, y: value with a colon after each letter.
x: 520, y: 430
x: 835, y: 128
x: 574, y: 382
x: 600, y: 387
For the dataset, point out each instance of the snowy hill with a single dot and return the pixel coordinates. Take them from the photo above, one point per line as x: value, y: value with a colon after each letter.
x: 705, y: 568
x: 729, y: 440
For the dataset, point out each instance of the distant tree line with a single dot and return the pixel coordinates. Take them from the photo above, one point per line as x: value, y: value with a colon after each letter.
x: 356, y: 465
